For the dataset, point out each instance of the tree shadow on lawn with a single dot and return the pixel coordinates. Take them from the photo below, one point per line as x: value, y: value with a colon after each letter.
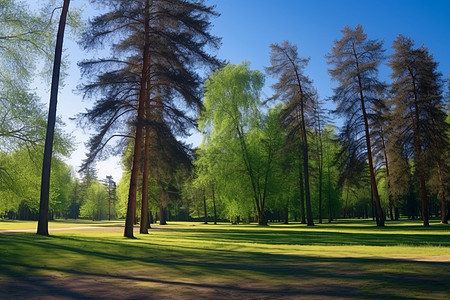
x: 214, y: 273
x: 276, y: 236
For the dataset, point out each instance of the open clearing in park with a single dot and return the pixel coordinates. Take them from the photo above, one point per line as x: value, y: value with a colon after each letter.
x: 347, y: 259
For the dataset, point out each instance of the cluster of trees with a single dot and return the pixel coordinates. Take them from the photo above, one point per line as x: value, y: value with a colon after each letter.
x: 147, y: 91
x: 260, y: 159
x: 391, y: 151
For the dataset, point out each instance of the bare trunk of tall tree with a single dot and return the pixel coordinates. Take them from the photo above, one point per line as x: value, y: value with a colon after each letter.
x: 48, y: 148
x: 143, y: 228
x: 320, y: 174
x: 415, y: 118
x: 162, y: 215
x: 386, y: 163
x: 131, y: 207
x: 309, y: 217
x: 380, y: 215
x: 286, y: 214
x: 144, y: 225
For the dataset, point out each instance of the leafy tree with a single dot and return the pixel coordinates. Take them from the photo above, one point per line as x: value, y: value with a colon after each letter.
x: 95, y: 204
x: 111, y: 186
x: 296, y: 89
x: 25, y: 36
x: 231, y: 123
x: 19, y: 184
x: 418, y: 111
x: 205, y: 180
x: 355, y: 62
x: 26, y: 40
x: 22, y: 119
x: 75, y: 200
x: 61, y: 186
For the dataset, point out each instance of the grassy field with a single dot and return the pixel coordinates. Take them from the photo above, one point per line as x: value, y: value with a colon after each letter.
x: 344, y: 260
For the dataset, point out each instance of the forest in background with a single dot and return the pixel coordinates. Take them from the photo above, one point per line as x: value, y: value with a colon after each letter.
x: 276, y: 159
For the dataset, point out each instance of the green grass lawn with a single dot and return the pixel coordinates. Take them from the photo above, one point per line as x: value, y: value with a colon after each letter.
x: 346, y: 259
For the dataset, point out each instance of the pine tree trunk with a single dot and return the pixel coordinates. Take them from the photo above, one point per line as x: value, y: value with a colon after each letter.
x: 320, y: 172
x: 261, y: 218
x: 309, y: 216
x: 386, y: 163
x: 131, y: 206
x: 162, y: 215
x: 143, y: 228
x: 320, y: 193
x: 144, y: 225
x: 418, y: 152
x: 48, y: 148
x: 380, y: 218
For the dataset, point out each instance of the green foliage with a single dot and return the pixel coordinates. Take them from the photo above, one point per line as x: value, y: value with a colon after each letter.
x: 418, y: 116
x: 20, y: 177
x: 25, y: 36
x: 95, y: 205
x: 240, y: 140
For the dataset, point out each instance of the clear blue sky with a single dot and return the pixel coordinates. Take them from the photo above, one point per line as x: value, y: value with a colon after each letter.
x: 248, y: 27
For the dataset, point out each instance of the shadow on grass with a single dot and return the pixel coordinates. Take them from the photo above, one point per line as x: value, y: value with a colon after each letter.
x: 277, y: 236
x: 27, y: 260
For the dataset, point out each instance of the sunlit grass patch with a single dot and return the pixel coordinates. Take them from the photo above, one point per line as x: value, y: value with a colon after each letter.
x: 376, y: 262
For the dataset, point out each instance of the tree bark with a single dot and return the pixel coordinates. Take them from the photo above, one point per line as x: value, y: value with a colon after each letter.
x: 309, y: 217
x: 144, y: 225
x: 380, y: 218
x: 131, y: 207
x: 48, y: 148
x: 162, y: 215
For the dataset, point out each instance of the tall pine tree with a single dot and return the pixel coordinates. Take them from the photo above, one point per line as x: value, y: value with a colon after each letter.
x: 157, y: 47
x: 418, y: 111
x: 300, y: 95
x: 355, y: 61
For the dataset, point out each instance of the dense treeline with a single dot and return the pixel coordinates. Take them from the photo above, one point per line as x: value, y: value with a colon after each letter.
x: 261, y: 159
